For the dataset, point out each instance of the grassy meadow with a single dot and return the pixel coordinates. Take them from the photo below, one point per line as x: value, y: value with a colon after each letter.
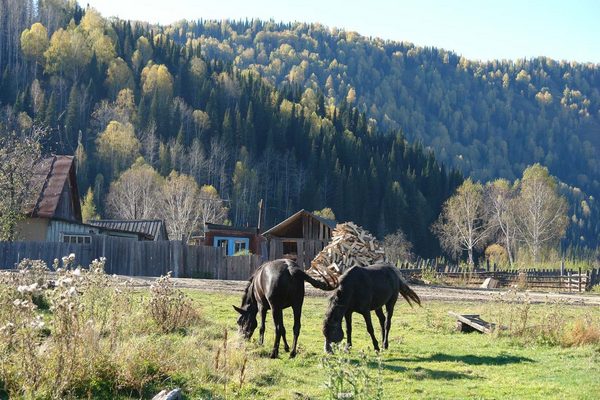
x: 427, y: 358
x: 92, y: 336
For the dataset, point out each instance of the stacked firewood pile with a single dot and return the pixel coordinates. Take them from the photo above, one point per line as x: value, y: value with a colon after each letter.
x: 350, y: 246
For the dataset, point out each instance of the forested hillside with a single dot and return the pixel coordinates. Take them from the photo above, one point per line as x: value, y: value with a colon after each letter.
x: 488, y: 119
x: 111, y: 92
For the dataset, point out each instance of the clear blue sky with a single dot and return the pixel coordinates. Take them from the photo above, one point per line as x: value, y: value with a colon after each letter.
x: 500, y: 29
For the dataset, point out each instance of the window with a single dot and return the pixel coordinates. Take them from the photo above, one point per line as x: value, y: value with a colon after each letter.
x: 77, y: 239
x: 239, y: 245
x: 223, y: 243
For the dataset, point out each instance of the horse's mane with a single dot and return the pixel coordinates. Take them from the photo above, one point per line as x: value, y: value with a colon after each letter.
x: 337, y: 307
x: 248, y: 296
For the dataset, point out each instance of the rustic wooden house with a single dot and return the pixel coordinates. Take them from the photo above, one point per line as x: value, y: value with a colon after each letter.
x: 235, y: 240
x: 53, y: 213
x: 299, y: 237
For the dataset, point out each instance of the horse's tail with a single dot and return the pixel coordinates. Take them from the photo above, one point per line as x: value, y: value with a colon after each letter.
x: 406, y: 291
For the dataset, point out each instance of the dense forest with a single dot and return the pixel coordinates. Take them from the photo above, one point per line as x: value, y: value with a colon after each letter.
x: 487, y: 119
x: 112, y: 91
x: 298, y: 114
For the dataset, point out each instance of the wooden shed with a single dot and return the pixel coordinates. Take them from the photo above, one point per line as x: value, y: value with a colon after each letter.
x: 300, y: 237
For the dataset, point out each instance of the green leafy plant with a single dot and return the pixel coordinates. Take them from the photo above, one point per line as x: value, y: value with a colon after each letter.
x: 348, y: 378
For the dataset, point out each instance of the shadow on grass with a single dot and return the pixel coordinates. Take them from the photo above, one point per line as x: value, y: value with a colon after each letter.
x: 420, y: 373
x: 470, y: 359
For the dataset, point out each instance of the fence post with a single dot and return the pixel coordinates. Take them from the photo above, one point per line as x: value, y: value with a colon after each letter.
x: 580, y: 279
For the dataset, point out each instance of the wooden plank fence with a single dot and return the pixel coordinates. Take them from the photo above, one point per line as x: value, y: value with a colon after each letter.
x: 137, y: 258
x: 539, y: 279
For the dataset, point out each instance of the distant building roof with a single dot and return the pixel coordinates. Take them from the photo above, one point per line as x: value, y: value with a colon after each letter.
x: 54, y: 179
x: 154, y: 229
x: 283, y: 228
x: 216, y: 227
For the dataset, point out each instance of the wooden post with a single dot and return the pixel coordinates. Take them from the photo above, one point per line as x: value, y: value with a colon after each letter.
x: 569, y: 280
x: 562, y: 267
x: 580, y: 279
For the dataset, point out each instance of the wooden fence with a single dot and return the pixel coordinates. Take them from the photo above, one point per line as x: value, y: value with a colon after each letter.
x: 538, y: 279
x: 137, y: 258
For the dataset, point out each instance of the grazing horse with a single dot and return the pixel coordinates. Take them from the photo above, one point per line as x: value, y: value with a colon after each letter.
x: 362, y: 289
x: 275, y: 285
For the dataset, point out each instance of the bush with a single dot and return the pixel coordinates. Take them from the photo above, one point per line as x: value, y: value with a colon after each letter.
x: 583, y: 331
x: 351, y: 379
x: 169, y: 307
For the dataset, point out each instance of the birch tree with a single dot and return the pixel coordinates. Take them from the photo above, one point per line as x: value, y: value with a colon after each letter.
x: 212, y: 207
x: 542, y: 212
x: 136, y: 194
x: 397, y: 247
x: 180, y: 205
x: 500, y: 205
x: 462, y: 225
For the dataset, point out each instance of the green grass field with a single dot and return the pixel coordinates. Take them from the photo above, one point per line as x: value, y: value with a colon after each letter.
x: 94, y: 336
x: 426, y: 358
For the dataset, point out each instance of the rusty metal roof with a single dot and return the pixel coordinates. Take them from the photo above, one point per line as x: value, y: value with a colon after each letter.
x: 155, y: 229
x: 47, y: 184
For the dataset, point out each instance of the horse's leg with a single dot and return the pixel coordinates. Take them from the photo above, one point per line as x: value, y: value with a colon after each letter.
x: 389, y: 308
x: 286, y: 346
x: 348, y: 318
x: 297, y: 316
x: 381, y: 318
x: 278, y: 320
x: 263, y: 316
x: 369, y: 323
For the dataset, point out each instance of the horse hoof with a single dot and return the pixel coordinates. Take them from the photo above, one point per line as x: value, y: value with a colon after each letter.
x: 274, y: 355
x: 292, y: 354
x: 287, y: 349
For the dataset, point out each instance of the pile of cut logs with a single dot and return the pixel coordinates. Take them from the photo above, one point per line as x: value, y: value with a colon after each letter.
x: 350, y: 246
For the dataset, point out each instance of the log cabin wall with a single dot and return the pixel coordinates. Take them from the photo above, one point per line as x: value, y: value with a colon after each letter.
x: 300, y: 237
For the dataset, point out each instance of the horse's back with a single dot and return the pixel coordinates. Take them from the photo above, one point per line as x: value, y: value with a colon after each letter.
x: 372, y: 286
x: 278, y: 285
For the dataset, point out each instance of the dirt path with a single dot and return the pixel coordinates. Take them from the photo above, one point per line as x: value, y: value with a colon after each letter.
x: 425, y: 292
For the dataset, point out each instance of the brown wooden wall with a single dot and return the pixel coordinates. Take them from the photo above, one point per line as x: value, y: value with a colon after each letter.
x: 307, y: 249
x: 314, y: 229
x: 137, y: 258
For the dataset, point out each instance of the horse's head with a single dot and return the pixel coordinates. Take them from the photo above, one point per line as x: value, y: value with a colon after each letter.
x: 332, y: 325
x: 247, y: 322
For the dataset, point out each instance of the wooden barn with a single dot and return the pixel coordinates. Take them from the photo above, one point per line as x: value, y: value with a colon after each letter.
x: 299, y: 237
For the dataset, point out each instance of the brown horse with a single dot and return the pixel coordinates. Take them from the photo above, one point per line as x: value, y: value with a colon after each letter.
x: 275, y: 285
x: 361, y: 290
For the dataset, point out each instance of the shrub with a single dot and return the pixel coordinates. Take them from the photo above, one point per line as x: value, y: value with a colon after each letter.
x: 351, y: 379
x: 169, y: 307
x: 583, y: 331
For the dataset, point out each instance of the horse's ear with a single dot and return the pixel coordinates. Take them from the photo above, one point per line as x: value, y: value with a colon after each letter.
x: 239, y: 310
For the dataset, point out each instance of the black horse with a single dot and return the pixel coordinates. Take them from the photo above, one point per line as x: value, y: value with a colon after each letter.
x: 275, y: 285
x: 362, y: 289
